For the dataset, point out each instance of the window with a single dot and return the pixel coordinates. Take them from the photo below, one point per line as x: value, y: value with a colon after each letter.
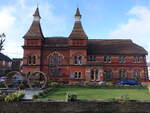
x: 136, y: 74
x: 136, y: 59
x: 4, y: 62
x: 9, y: 64
x: 92, y: 58
x: 31, y: 59
x: 78, y: 60
x: 122, y: 73
x: 94, y: 75
x: 107, y: 75
x: 78, y: 75
x: 54, y: 62
x: 121, y: 59
x: 107, y: 59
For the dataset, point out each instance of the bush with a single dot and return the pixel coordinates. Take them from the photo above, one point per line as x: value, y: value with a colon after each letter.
x: 35, y: 97
x: 148, y: 87
x: 41, y: 94
x: 71, y: 97
x: 17, y: 96
x: 124, y: 98
x: 53, y: 84
x: 110, y: 84
x: 93, y: 84
x: 24, y: 85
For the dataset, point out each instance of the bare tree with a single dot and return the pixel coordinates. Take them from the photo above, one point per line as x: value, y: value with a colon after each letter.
x: 2, y: 40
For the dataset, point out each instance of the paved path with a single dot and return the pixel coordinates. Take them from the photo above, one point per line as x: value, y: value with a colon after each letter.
x: 29, y: 93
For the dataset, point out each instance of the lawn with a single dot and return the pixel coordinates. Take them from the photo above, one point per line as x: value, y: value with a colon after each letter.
x: 99, y: 94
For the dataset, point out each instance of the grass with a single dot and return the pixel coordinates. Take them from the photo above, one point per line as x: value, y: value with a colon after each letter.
x: 99, y: 94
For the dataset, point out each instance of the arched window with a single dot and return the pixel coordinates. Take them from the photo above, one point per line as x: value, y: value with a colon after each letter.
x: 122, y: 73
x: 55, y: 61
x: 136, y: 74
x: 107, y: 75
x: 31, y: 59
x: 78, y: 60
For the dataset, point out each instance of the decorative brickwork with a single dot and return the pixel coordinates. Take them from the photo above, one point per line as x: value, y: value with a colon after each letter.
x: 77, y: 58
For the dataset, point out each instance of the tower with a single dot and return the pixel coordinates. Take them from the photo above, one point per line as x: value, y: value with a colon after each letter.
x: 33, y: 45
x: 78, y: 47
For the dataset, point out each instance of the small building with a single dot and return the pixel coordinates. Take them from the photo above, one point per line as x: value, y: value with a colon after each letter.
x: 17, y: 64
x: 79, y: 58
x: 5, y: 64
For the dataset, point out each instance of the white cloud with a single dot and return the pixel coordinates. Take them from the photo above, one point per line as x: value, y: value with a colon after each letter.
x: 137, y: 27
x: 7, y: 20
x: 17, y: 18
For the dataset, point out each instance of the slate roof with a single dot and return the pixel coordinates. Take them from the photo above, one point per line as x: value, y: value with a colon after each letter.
x: 78, y: 12
x: 37, y: 13
x: 101, y: 46
x: 35, y: 30
x: 4, y: 57
x: 78, y: 31
x: 114, y: 46
x: 56, y: 42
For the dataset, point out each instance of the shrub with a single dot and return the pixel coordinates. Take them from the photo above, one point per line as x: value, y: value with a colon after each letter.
x: 148, y: 87
x: 35, y: 97
x: 93, y: 84
x: 71, y: 97
x: 41, y: 94
x: 24, y: 85
x: 124, y: 97
x: 112, y: 99
x: 53, y: 84
x: 17, y: 96
x: 109, y: 84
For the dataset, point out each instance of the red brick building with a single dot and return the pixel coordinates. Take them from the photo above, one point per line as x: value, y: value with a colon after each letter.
x: 78, y: 58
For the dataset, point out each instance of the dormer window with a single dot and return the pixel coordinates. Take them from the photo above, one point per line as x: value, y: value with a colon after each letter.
x: 122, y: 59
x: 107, y: 59
x: 31, y: 60
x: 78, y: 60
x: 92, y: 58
x: 136, y: 59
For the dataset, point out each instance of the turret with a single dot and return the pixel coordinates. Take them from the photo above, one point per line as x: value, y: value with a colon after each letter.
x: 33, y: 41
x: 35, y: 31
x: 78, y: 37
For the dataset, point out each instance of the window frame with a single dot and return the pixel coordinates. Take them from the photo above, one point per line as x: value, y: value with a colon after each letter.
x: 78, y: 75
x: 107, y: 59
x: 122, y: 59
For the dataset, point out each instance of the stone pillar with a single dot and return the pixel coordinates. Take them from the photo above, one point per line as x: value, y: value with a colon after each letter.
x: 101, y: 73
x: 87, y: 76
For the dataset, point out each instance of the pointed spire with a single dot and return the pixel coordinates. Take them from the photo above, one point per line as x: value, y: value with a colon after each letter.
x: 36, y: 15
x: 35, y: 30
x: 78, y: 15
x: 78, y: 31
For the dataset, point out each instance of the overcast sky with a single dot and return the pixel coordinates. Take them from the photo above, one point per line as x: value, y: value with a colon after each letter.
x: 102, y: 19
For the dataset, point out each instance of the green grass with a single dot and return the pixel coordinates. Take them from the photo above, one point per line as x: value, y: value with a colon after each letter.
x: 99, y: 94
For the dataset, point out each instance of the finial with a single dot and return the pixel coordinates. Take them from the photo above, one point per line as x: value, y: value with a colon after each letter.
x: 36, y: 15
x: 78, y: 15
x: 37, y: 3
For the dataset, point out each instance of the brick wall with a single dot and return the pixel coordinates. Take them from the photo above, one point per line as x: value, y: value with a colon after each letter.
x: 75, y: 107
